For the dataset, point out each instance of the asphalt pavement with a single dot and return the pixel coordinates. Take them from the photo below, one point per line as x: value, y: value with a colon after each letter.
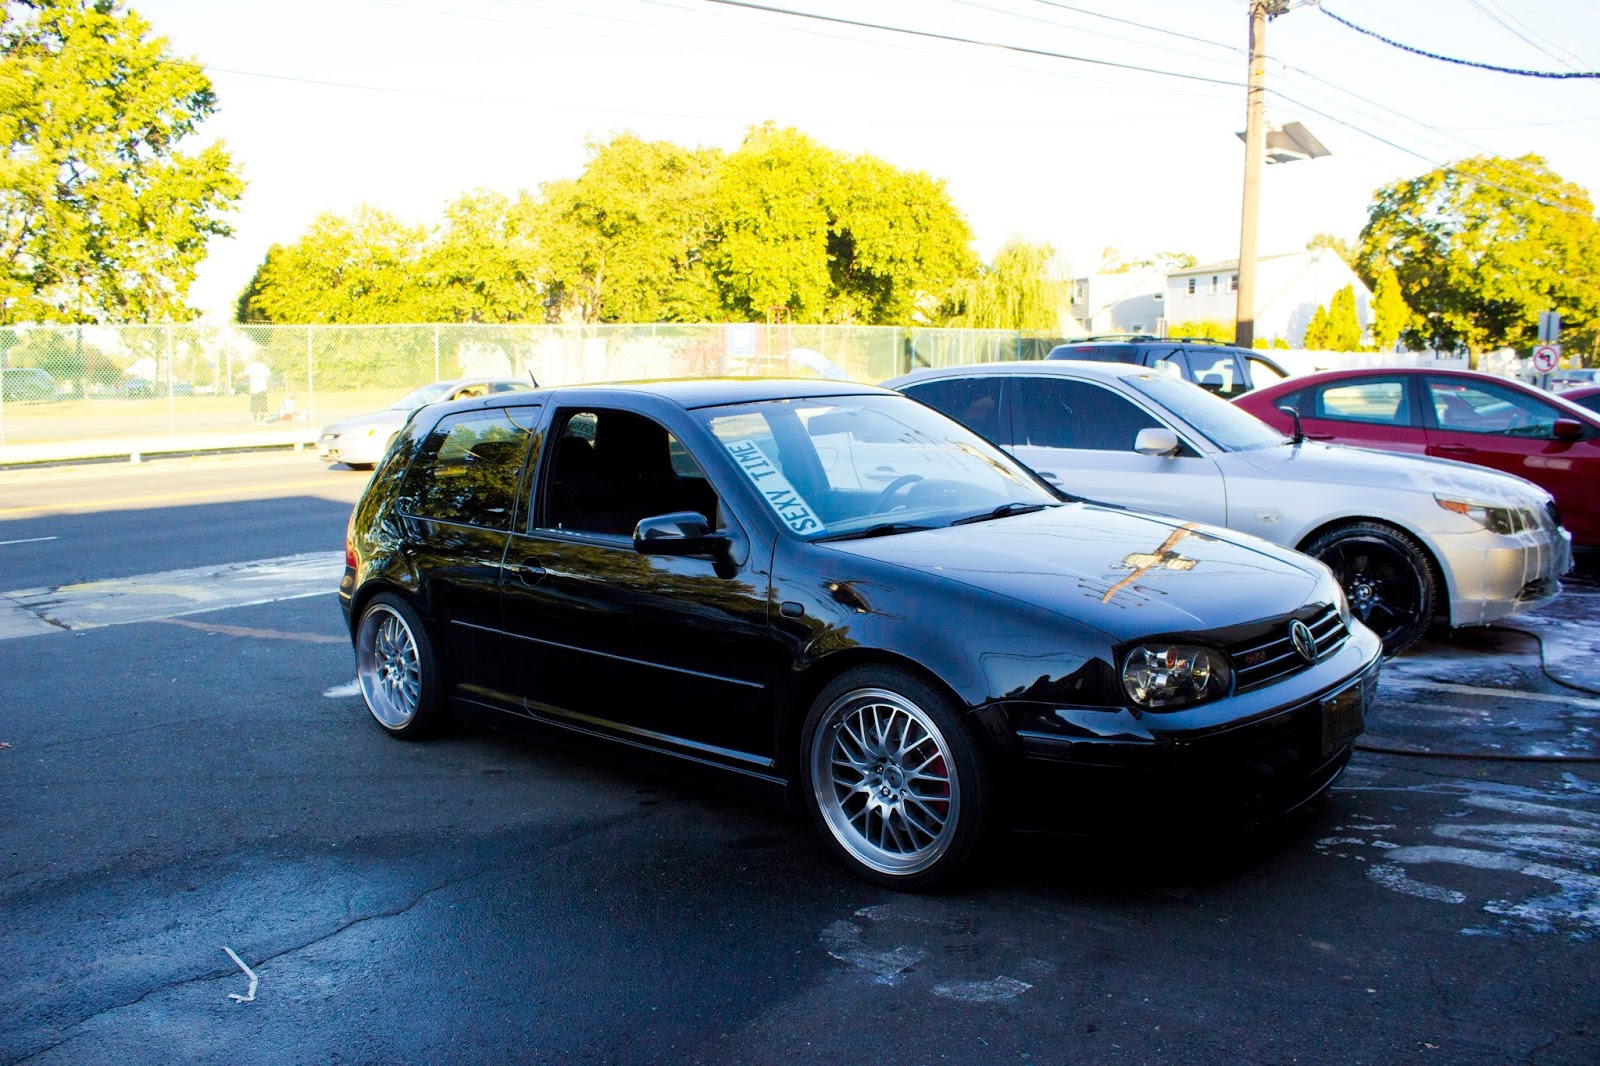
x: 185, y: 768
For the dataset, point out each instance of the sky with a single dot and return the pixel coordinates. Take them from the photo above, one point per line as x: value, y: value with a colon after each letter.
x: 1126, y: 138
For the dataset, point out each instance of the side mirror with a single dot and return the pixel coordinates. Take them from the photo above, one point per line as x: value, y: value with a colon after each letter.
x: 679, y: 533
x: 1299, y: 432
x: 1156, y: 441
x: 1567, y: 429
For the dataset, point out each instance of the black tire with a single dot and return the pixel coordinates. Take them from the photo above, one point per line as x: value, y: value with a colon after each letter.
x: 399, y: 671
x: 1386, y: 574
x: 897, y: 783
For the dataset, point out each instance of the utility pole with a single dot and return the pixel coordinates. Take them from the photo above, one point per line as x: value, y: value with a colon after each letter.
x: 1255, y: 146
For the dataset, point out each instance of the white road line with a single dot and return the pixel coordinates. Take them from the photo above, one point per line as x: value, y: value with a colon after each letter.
x: 27, y: 540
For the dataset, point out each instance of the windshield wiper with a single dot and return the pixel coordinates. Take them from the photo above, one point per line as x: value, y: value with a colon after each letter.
x: 882, y: 529
x: 1005, y: 510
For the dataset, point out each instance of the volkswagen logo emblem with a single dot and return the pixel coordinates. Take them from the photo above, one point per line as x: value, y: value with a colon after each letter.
x: 1304, y: 643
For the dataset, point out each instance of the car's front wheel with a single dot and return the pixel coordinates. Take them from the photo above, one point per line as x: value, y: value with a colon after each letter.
x: 398, y: 670
x: 1386, y: 576
x: 894, y: 779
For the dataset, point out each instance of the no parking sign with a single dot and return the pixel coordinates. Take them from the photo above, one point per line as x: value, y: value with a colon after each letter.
x: 1545, y: 357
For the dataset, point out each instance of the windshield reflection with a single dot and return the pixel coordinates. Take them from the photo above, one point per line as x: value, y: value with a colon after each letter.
x: 870, y: 465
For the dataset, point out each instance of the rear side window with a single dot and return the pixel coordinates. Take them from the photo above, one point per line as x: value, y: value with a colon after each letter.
x: 974, y: 402
x: 1218, y: 372
x: 469, y: 468
x: 1060, y: 413
x: 1382, y: 402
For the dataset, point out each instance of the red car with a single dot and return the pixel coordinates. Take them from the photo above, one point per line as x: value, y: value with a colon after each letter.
x: 1453, y: 414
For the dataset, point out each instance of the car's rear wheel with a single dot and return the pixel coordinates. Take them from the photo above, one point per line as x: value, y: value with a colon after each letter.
x: 894, y: 779
x: 398, y: 670
x: 1386, y: 575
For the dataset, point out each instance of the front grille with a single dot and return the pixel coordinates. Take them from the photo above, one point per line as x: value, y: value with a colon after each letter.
x: 1259, y: 662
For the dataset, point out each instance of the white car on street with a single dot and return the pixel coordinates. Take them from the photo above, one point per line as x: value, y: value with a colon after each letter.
x: 361, y: 441
x: 1410, y: 538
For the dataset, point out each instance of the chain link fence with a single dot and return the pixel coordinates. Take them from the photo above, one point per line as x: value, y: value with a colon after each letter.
x: 117, y: 389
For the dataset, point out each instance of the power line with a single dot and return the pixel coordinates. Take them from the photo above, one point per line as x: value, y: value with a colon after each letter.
x: 1558, y: 74
x: 1143, y: 26
x: 957, y: 39
x: 1517, y: 27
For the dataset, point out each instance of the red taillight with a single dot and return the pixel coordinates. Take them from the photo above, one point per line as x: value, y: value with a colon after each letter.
x: 350, y: 559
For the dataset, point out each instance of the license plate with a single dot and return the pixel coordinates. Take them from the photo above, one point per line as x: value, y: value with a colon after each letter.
x: 1343, y: 717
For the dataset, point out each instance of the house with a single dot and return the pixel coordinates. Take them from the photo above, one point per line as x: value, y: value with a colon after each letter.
x: 1127, y: 302
x: 1289, y: 289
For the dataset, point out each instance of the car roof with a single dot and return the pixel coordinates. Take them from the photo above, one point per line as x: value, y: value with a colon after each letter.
x: 1053, y: 367
x: 714, y: 392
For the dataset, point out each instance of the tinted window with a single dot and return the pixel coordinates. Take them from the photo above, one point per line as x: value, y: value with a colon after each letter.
x: 974, y: 402
x: 613, y: 468
x: 1480, y: 407
x: 1218, y: 372
x: 1060, y: 413
x: 1383, y: 401
x: 1095, y: 355
x: 469, y: 468
x: 1172, y: 363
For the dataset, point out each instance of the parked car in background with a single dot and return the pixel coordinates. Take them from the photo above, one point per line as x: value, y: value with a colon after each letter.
x: 1587, y: 397
x: 1572, y: 378
x: 360, y: 442
x: 1409, y: 539
x: 1224, y: 369
x: 26, y: 384
x: 1453, y: 414
x: 824, y: 591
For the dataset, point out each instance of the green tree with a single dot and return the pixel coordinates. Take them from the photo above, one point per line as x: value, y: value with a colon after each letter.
x: 622, y: 240
x: 1342, y: 330
x: 102, y: 216
x: 364, y: 269
x: 1390, y: 315
x: 1338, y: 245
x: 1016, y: 291
x: 1111, y: 262
x: 1316, y: 337
x: 1482, y: 246
x: 483, y: 264
x: 1204, y: 329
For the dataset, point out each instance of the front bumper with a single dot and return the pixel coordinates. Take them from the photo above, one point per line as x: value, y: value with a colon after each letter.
x: 1233, y: 763
x: 1491, y: 576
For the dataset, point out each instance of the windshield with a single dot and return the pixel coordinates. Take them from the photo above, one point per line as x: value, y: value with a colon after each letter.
x: 1230, y: 428
x: 421, y: 397
x: 840, y: 466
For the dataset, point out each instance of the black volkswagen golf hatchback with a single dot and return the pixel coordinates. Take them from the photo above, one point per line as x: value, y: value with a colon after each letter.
x: 840, y: 597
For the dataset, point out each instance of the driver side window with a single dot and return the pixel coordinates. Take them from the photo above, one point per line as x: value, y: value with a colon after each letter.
x: 1464, y: 406
x: 1062, y: 413
x: 611, y: 469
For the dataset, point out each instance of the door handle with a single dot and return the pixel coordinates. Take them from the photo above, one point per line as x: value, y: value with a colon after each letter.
x: 529, y: 572
x: 1319, y: 436
x: 1455, y: 449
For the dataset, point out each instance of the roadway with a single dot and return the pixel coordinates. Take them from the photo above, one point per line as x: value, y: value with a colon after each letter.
x: 184, y: 767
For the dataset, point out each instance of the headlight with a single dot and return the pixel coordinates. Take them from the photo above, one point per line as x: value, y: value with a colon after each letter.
x: 1166, y: 675
x: 1341, y: 601
x: 1496, y: 519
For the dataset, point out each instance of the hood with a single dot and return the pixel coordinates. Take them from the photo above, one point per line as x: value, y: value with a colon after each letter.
x: 387, y: 418
x: 1125, y: 573
x: 1344, y: 465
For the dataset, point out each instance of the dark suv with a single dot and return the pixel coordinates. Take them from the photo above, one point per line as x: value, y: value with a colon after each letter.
x: 1216, y: 367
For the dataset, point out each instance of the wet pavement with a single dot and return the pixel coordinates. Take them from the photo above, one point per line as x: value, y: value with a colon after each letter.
x: 181, y: 784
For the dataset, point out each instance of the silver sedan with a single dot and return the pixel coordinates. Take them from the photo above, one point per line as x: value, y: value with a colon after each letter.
x: 1410, y: 538
x: 361, y: 441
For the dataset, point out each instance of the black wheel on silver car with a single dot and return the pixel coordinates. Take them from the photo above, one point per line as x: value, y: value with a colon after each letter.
x: 398, y: 670
x: 895, y: 781
x: 1387, y: 577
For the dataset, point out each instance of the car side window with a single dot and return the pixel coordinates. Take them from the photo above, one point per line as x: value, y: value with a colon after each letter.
x: 1062, y: 413
x: 1482, y: 407
x: 1218, y: 373
x: 1174, y: 364
x: 610, y: 469
x: 1382, y: 401
x: 469, y: 468
x: 974, y: 402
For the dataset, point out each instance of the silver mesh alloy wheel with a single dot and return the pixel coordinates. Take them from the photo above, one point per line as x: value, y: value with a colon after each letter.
x: 387, y: 667
x: 885, y: 782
